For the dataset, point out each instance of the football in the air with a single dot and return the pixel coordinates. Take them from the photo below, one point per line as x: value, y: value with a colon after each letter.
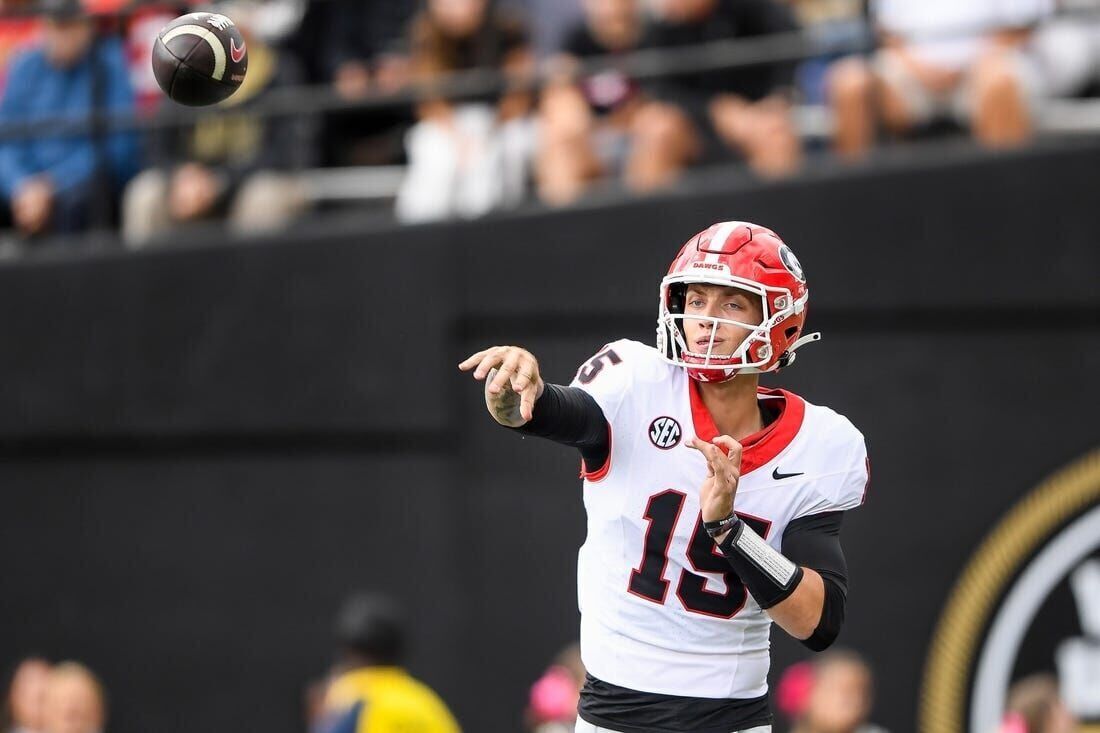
x: 200, y: 59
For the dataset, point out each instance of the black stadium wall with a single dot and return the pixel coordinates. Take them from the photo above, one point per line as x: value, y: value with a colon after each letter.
x: 204, y: 448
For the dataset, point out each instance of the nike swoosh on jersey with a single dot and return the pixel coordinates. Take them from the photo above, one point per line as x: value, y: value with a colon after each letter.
x: 236, y: 53
x: 780, y: 476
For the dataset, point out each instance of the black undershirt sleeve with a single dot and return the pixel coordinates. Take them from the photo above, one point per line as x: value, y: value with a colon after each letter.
x: 570, y: 416
x: 814, y: 542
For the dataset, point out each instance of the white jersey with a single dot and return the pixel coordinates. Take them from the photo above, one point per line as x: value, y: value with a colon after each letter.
x: 661, y: 611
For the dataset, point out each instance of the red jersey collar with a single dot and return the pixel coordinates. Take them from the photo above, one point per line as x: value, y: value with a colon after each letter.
x: 764, y: 445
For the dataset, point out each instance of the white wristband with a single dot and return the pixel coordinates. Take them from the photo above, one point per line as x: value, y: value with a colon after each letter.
x: 770, y: 562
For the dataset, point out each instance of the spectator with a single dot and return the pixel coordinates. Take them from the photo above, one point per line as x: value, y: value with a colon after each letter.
x: 552, y: 707
x: 792, y: 694
x: 27, y: 696
x: 366, y: 52
x: 74, y: 701
x: 971, y: 62
x: 372, y: 693
x: 239, y: 164
x: 58, y: 183
x: 835, y: 26
x: 18, y: 28
x: 609, y: 124
x: 587, y: 129
x: 839, y: 700
x: 469, y: 155
x: 745, y: 109
x: 1034, y: 706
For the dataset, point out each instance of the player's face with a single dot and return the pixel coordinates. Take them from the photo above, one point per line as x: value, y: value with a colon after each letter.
x: 719, y: 301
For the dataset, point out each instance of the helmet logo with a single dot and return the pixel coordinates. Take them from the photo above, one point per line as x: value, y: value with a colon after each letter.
x: 713, y: 266
x: 664, y: 432
x: 791, y: 263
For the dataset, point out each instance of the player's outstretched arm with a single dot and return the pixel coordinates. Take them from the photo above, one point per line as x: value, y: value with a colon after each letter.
x: 512, y: 382
x: 792, y: 595
x: 566, y: 415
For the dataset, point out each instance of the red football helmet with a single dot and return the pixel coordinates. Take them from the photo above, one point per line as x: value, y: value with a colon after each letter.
x: 751, y: 258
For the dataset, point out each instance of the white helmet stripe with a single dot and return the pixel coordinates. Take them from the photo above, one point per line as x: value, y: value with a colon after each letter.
x: 724, y: 230
x: 209, y: 37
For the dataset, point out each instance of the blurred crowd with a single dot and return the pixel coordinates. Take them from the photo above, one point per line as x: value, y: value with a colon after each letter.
x: 483, y: 104
x: 368, y: 689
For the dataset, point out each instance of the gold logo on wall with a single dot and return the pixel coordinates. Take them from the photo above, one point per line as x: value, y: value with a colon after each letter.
x: 1046, y: 539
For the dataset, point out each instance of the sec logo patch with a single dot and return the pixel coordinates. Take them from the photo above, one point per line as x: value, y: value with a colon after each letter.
x: 665, y: 433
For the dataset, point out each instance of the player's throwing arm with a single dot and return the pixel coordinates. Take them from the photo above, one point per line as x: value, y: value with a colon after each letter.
x: 512, y: 382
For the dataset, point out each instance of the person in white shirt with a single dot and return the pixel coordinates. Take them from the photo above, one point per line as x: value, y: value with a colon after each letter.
x: 975, y: 62
x: 714, y: 505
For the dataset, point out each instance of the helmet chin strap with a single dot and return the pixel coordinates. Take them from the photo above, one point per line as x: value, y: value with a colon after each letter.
x: 788, y: 358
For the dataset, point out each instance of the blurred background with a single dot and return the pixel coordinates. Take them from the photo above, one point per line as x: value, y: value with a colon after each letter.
x: 243, y: 485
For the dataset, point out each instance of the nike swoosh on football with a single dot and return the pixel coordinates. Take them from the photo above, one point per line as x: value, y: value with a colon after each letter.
x: 236, y: 53
x: 780, y: 476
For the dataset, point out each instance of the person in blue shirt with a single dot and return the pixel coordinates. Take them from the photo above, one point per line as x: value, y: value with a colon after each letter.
x: 57, y: 183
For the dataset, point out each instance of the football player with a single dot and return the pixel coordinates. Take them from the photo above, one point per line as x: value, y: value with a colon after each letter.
x: 714, y: 505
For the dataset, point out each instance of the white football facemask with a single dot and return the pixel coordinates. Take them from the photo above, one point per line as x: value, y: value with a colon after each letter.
x: 712, y: 367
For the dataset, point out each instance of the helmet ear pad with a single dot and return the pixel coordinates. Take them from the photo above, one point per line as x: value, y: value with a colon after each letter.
x: 677, y: 301
x: 677, y: 297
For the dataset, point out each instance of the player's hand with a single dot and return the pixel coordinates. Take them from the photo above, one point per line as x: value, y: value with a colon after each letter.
x: 512, y: 382
x: 723, y: 472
